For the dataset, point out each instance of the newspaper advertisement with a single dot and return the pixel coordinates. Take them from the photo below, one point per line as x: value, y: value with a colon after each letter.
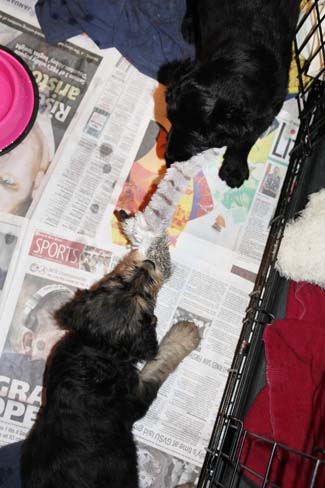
x: 98, y: 146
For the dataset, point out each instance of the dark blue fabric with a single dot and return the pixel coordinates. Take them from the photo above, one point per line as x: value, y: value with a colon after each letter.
x: 146, y: 32
x: 9, y: 466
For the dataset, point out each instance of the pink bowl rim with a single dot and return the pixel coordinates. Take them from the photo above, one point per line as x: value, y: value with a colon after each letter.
x: 30, y: 124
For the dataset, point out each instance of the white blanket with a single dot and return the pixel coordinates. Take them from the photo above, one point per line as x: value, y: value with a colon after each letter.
x: 302, y: 252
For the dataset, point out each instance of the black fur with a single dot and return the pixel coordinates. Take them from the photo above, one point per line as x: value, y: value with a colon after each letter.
x: 82, y: 437
x: 236, y: 86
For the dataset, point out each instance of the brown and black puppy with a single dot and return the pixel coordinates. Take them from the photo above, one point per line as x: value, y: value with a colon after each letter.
x: 94, y: 390
x: 237, y: 84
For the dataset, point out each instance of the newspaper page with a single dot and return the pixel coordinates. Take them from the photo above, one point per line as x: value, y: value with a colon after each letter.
x: 20, y: 8
x: 180, y: 421
x: 50, y: 269
x: 94, y: 165
x: 63, y: 73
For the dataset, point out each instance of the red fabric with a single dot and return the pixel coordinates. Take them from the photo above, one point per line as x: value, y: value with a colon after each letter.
x: 291, y: 408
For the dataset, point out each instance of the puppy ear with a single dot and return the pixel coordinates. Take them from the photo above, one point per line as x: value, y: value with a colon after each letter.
x: 173, y: 71
x: 142, y: 343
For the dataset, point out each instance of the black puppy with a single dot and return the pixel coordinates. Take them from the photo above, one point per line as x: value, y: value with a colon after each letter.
x: 236, y: 86
x: 94, y: 392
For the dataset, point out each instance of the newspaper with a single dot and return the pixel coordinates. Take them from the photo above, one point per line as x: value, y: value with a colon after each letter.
x: 105, y: 131
x: 21, y: 8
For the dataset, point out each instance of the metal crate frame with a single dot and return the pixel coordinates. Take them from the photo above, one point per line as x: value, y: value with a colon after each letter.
x: 222, y: 466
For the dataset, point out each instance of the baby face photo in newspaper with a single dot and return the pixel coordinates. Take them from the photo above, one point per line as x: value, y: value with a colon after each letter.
x: 21, y: 171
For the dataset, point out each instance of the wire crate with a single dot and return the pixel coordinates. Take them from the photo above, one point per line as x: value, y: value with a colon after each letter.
x: 223, y: 466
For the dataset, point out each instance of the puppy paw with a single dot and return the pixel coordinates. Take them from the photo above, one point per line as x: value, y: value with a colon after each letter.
x: 139, y: 233
x: 234, y: 176
x: 186, y: 335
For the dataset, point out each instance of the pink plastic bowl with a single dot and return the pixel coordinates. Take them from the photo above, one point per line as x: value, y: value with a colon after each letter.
x: 18, y: 100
